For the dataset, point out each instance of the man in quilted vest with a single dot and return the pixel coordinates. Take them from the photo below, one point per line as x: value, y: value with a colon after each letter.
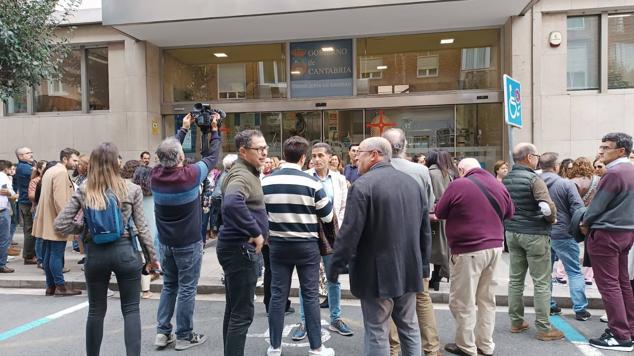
x: 527, y: 236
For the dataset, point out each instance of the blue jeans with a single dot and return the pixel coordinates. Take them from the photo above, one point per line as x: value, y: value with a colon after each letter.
x: 568, y: 252
x: 239, y: 265
x: 5, y: 236
x: 286, y: 256
x: 39, y: 249
x: 334, y: 296
x: 53, y: 262
x: 181, y: 270
x: 204, y: 219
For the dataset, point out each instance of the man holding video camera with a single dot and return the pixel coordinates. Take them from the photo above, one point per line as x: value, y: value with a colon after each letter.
x: 175, y: 187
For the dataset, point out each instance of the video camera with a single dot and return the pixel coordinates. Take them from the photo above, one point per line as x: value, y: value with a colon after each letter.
x: 202, y: 115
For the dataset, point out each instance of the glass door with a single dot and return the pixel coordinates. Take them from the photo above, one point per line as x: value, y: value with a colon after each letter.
x: 307, y: 124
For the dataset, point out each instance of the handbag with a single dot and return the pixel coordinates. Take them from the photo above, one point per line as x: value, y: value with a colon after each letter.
x: 327, y: 234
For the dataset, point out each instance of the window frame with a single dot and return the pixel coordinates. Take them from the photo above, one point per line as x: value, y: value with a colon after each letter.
x: 600, y: 54
x: 84, y: 87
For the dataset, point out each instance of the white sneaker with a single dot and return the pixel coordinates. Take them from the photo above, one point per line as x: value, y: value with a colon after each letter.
x: 162, y: 340
x: 324, y: 351
x: 273, y: 352
x: 604, y: 318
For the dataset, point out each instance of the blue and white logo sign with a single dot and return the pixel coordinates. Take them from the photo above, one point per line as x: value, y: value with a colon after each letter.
x: 512, y: 101
x: 321, y: 68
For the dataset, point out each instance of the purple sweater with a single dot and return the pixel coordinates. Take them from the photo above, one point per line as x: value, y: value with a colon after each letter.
x: 472, y: 222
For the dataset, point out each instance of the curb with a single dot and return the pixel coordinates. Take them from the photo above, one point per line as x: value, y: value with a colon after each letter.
x: 437, y: 297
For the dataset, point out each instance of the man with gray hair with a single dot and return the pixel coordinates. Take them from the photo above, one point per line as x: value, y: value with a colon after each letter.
x: 527, y: 236
x: 385, y: 239
x: 475, y: 208
x: 175, y: 187
x: 424, y: 307
x: 567, y: 200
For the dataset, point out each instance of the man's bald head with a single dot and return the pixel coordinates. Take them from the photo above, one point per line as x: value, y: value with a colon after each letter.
x: 526, y: 153
x: 467, y: 164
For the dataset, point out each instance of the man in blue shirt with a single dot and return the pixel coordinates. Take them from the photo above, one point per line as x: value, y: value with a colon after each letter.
x: 21, y: 185
x: 351, y: 171
x: 336, y: 190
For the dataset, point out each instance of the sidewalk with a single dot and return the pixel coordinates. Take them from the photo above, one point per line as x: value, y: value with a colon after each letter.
x: 32, y: 277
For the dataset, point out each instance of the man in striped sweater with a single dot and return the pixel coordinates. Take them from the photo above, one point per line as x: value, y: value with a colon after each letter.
x: 610, y: 219
x: 175, y: 187
x: 295, y: 201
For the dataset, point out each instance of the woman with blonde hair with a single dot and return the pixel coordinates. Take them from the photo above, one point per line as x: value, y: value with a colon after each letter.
x: 105, y: 186
x: 584, y: 176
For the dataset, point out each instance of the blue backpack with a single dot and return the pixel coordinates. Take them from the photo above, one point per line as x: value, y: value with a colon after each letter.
x: 106, y: 225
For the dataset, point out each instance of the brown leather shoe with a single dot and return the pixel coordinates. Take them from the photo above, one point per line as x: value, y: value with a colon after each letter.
x: 62, y: 291
x: 14, y: 251
x: 550, y: 335
x: 6, y: 269
x: 30, y: 261
x: 519, y: 329
x: 50, y: 291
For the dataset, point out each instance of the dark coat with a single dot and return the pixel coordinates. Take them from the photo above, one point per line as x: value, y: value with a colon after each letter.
x: 385, y: 236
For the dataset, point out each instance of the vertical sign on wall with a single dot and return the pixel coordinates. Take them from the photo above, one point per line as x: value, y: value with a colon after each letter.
x: 321, y: 68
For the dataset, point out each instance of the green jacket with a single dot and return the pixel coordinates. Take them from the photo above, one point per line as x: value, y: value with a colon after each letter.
x: 522, y: 183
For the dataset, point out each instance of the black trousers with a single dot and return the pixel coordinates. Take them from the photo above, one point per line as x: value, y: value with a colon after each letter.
x: 101, y: 260
x: 239, y: 264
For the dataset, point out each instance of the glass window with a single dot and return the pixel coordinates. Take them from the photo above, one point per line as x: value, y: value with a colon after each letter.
x: 234, y: 72
x: 429, y: 62
x: 17, y: 103
x: 231, y: 81
x: 583, y: 53
x: 427, y: 66
x: 306, y: 124
x: 479, y: 133
x: 343, y: 128
x: 426, y: 127
x: 621, y: 51
x: 269, y: 123
x: 64, y: 93
x: 97, y: 70
x: 476, y: 58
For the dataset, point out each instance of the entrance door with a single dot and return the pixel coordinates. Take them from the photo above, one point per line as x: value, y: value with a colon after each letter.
x: 307, y: 124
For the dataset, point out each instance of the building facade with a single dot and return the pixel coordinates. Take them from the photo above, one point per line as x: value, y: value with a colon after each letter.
x: 337, y: 74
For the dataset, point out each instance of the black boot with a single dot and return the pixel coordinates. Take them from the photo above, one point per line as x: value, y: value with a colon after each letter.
x: 324, y: 304
x: 434, y: 282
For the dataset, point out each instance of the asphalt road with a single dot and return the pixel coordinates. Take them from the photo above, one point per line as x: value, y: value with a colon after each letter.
x: 32, y: 324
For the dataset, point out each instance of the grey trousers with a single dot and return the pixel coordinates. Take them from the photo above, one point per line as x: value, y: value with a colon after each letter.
x: 376, y: 321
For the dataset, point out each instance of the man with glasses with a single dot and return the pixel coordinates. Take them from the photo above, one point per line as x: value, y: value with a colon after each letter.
x: 611, y: 223
x: 21, y: 185
x: 245, y: 226
x: 385, y: 238
x: 527, y: 235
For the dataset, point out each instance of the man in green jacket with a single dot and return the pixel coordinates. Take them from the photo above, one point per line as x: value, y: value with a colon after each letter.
x: 527, y: 236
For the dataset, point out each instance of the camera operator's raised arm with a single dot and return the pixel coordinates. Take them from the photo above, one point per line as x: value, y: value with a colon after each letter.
x: 211, y: 150
x: 187, y: 122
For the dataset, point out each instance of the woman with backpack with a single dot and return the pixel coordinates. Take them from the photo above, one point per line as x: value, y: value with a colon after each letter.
x: 108, y: 203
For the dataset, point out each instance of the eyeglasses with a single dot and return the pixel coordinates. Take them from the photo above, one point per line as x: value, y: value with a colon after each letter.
x: 536, y: 155
x: 607, y: 148
x: 259, y: 149
x: 377, y: 151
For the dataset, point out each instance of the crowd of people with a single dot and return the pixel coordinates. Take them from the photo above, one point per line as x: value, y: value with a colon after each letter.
x: 398, y: 225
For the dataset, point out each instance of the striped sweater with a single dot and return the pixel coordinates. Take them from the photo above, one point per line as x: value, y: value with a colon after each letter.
x: 176, y: 192
x: 294, y: 203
